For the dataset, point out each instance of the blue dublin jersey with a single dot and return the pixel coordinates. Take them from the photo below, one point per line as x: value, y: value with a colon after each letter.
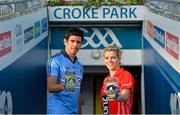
x: 64, y: 102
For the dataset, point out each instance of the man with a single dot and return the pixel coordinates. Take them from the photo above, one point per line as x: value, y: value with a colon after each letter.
x: 65, y: 73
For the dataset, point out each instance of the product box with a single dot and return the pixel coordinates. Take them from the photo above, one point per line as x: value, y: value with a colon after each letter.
x: 112, y: 91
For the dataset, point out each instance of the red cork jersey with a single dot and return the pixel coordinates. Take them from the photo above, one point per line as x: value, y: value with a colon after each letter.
x: 124, y: 81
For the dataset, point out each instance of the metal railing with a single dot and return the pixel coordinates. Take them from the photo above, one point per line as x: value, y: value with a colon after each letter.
x: 13, y: 8
x: 166, y: 8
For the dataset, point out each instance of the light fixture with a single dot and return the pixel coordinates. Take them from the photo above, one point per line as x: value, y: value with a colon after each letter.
x: 95, y: 53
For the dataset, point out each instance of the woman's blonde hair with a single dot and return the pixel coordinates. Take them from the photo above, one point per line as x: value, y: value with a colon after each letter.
x: 114, y: 48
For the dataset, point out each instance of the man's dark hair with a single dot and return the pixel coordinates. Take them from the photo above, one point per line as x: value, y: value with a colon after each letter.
x: 74, y: 31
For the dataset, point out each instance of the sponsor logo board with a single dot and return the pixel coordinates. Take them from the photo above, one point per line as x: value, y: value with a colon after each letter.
x: 28, y: 34
x: 5, y: 43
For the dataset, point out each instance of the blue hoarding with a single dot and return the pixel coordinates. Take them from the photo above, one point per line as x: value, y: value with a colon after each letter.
x: 162, y: 83
x: 23, y: 83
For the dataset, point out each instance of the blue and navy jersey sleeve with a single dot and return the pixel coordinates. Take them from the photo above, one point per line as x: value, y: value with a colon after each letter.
x: 52, y: 67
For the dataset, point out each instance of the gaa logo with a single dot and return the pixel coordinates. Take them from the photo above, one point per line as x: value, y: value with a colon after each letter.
x: 5, y: 102
x: 96, y: 38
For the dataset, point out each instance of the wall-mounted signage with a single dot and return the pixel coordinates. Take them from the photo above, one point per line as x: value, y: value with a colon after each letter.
x: 104, y: 13
x: 19, y: 35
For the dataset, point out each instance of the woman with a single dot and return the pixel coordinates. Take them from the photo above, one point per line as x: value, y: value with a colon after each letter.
x: 117, y: 90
